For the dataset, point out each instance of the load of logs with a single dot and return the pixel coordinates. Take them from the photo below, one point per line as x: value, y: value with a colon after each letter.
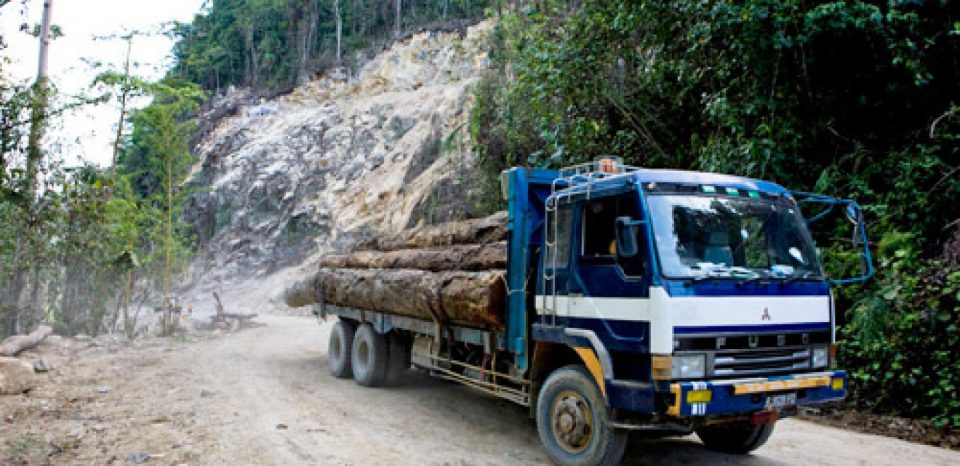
x: 449, y: 273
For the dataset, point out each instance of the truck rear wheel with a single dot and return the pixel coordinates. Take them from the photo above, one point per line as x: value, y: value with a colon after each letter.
x: 339, y: 349
x: 738, y: 438
x: 398, y: 359
x: 574, y: 422
x: 369, y: 358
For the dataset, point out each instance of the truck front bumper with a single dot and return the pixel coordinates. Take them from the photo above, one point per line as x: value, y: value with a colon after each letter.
x: 744, y: 396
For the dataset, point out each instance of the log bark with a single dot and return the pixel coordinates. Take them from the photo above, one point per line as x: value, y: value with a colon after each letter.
x: 464, y: 257
x: 17, y: 343
x: 474, y: 299
x: 302, y: 293
x: 489, y: 229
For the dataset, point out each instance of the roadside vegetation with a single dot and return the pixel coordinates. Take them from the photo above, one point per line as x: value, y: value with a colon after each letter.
x: 847, y: 98
x: 89, y: 248
x: 850, y: 99
x: 273, y: 44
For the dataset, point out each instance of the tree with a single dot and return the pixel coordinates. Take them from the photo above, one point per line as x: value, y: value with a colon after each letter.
x: 854, y: 99
x: 161, y: 144
x: 399, y: 15
x: 273, y: 44
x: 339, y: 16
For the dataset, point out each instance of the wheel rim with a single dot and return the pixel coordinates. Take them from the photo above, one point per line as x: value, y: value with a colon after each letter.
x: 572, y: 421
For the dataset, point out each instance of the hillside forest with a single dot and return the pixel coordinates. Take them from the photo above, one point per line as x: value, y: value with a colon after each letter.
x: 855, y: 99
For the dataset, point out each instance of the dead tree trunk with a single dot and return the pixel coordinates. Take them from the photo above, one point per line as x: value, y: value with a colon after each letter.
x: 220, y: 313
x: 17, y: 343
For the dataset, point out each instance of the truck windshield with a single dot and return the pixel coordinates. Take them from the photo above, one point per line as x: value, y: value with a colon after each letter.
x: 705, y: 236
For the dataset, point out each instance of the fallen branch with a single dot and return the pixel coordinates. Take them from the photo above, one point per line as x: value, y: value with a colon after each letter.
x: 17, y: 343
x: 220, y: 312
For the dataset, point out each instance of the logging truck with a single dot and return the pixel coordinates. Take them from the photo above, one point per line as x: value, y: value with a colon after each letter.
x: 660, y: 301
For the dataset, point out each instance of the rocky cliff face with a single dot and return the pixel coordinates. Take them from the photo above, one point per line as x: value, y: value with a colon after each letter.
x: 338, y: 160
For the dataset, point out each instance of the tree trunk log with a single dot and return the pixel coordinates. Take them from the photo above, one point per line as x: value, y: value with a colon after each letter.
x: 489, y: 229
x: 474, y: 299
x: 17, y: 343
x: 464, y: 257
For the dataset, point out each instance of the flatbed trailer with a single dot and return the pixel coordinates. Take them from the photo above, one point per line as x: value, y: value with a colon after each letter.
x: 655, y: 300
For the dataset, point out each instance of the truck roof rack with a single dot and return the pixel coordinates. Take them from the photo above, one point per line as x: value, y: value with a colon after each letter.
x: 587, y: 174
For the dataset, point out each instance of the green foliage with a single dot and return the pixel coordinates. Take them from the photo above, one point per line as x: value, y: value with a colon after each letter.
x: 73, y: 254
x: 162, y: 131
x: 269, y: 44
x: 158, y: 159
x: 900, y: 345
x: 17, y: 100
x: 849, y: 98
x: 61, y: 255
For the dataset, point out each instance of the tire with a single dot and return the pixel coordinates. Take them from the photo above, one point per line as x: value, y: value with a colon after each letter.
x: 398, y: 359
x: 570, y: 397
x: 738, y: 438
x: 340, y: 349
x: 369, y: 358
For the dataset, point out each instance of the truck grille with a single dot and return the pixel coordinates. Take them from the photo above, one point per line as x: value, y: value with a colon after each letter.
x: 757, y: 362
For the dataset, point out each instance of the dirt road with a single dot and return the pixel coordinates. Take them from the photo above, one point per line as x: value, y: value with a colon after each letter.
x: 263, y: 396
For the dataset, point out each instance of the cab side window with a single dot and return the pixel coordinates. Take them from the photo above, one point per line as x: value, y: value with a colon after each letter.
x: 599, y: 220
x: 599, y: 235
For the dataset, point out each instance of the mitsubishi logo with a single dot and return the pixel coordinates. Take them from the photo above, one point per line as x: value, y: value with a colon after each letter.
x: 766, y: 314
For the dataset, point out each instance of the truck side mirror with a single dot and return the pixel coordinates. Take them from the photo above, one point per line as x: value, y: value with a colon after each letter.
x: 627, y: 237
x: 854, y: 214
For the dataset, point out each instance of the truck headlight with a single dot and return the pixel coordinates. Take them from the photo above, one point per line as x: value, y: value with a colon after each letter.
x: 819, y: 357
x: 689, y: 366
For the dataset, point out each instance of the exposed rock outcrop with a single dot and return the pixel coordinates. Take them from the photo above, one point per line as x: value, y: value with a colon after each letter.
x: 339, y: 160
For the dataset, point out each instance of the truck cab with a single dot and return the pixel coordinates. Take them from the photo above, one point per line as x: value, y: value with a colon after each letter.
x: 690, y: 302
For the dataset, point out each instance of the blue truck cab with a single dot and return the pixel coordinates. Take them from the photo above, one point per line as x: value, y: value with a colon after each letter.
x: 662, y: 301
x: 694, y: 302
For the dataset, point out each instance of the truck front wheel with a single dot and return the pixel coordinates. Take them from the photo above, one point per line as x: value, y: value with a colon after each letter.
x: 339, y: 347
x: 574, y: 422
x: 738, y: 437
x: 369, y: 358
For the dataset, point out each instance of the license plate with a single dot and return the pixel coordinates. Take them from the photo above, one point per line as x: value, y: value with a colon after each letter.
x: 781, y: 401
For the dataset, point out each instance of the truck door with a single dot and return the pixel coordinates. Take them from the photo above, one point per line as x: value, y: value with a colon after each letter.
x: 609, y: 292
